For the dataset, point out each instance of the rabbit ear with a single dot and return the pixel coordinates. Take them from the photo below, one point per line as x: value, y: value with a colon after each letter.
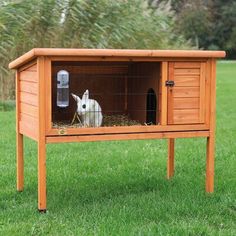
x: 77, y: 98
x: 85, y: 95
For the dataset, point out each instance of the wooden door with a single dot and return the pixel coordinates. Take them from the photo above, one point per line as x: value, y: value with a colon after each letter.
x: 186, y: 92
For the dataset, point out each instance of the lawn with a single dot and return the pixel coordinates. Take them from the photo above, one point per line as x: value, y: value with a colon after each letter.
x: 120, y: 188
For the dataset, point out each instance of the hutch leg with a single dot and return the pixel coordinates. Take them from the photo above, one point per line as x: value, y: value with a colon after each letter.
x: 42, y: 176
x: 171, y: 155
x: 210, y: 164
x: 19, y: 162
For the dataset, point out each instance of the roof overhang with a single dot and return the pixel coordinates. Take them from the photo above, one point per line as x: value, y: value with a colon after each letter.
x: 36, y: 52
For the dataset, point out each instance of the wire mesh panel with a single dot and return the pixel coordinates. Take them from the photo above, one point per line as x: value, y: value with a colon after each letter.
x: 107, y: 94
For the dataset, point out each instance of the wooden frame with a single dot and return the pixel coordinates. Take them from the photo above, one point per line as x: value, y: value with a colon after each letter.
x: 185, y: 68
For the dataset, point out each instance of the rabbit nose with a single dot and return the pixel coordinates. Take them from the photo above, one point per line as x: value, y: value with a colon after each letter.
x: 84, y: 106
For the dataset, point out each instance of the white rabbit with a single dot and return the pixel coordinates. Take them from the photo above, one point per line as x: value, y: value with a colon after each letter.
x: 89, y: 110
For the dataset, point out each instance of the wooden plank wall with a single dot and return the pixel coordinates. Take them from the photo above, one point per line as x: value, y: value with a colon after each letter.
x: 28, y: 101
x: 142, y: 77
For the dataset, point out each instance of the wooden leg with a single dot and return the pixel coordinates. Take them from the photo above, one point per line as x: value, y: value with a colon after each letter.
x: 41, y: 176
x: 19, y: 162
x: 171, y: 156
x: 210, y: 164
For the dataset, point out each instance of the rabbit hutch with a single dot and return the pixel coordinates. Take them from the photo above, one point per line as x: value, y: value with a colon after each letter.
x: 83, y: 95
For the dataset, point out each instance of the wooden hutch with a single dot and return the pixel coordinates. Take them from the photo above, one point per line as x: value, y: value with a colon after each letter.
x: 181, y: 103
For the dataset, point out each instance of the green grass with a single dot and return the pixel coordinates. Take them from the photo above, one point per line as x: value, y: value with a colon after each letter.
x: 120, y: 188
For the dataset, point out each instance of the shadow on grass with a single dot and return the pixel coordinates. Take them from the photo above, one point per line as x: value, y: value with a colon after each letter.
x: 83, y: 193
x: 7, y: 105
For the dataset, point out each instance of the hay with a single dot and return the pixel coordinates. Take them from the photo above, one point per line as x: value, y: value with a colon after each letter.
x: 108, y: 120
x: 65, y: 124
x: 118, y: 120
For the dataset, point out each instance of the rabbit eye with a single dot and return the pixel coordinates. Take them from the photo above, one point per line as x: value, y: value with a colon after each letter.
x: 84, y: 106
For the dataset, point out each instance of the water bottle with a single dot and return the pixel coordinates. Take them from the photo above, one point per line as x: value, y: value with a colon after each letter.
x: 62, y: 89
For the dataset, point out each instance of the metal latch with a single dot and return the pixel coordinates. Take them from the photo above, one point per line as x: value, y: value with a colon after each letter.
x: 170, y: 83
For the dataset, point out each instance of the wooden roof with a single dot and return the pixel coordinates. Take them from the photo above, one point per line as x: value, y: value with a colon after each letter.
x: 32, y: 54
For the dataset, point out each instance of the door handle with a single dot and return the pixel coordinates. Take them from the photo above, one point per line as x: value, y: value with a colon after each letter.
x: 170, y: 83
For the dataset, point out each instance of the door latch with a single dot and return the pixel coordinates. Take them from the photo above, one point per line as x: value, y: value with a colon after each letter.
x: 170, y: 83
